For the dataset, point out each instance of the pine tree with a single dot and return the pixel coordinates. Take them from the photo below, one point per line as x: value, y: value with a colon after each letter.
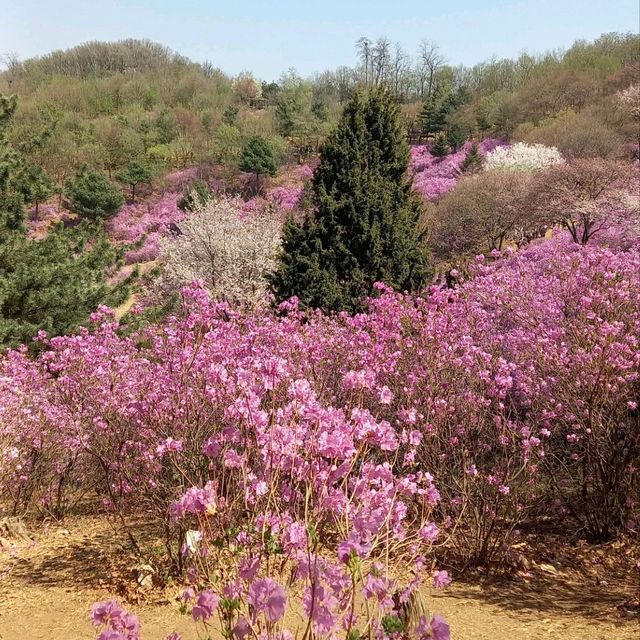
x: 133, y: 175
x: 455, y: 137
x: 92, y: 195
x: 258, y: 158
x: 287, y: 114
x: 448, y: 105
x: 462, y: 96
x: 483, y: 121
x: 53, y: 283
x: 440, y: 148
x: 472, y: 161
x: 230, y: 114
x: 35, y: 185
x: 431, y: 118
x: 365, y: 226
x: 11, y: 200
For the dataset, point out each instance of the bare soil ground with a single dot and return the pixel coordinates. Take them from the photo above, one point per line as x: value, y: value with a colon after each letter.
x: 48, y: 583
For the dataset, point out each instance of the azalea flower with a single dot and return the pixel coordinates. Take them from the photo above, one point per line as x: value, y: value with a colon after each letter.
x: 266, y: 596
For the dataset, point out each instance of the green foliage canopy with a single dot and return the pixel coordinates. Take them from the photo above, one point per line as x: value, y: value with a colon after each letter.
x: 365, y: 226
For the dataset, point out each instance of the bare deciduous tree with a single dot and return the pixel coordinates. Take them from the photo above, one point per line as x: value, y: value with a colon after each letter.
x: 381, y: 60
x: 430, y: 61
x: 399, y: 66
x: 482, y: 213
x: 588, y: 196
x: 363, y: 46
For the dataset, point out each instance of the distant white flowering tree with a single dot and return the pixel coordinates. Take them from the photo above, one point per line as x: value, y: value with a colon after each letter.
x: 523, y: 157
x: 631, y: 97
x: 226, y: 248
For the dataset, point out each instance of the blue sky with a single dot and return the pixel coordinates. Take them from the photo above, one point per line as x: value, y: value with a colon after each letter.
x: 311, y: 35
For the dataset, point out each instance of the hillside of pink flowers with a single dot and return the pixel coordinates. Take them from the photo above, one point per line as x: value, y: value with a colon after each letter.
x: 332, y: 463
x: 144, y: 223
x: 286, y: 189
x: 434, y: 177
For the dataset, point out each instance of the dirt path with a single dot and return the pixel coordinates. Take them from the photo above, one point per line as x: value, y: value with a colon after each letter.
x: 47, y: 588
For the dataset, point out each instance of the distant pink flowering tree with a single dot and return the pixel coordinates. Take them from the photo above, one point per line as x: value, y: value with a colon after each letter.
x: 589, y: 196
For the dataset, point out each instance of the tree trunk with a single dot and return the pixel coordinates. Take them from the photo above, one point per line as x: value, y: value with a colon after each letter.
x: 133, y: 193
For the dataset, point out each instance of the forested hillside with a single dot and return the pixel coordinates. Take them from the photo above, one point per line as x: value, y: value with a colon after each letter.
x: 107, y: 104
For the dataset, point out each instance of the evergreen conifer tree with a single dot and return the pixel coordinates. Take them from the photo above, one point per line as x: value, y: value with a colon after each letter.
x: 440, y: 148
x: 455, y: 137
x: 53, y: 283
x: 258, y: 158
x: 35, y: 185
x: 92, y: 195
x: 431, y: 118
x: 365, y: 225
x: 11, y: 200
x: 472, y: 161
x: 230, y: 114
x: 448, y: 106
x: 133, y: 175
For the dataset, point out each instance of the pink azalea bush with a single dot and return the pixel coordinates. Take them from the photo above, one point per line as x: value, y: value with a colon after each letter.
x: 287, y: 192
x: 524, y: 375
x: 285, y: 198
x: 179, y: 179
x: 320, y: 463
x: 305, y: 172
x: 434, y: 177
x: 143, y: 223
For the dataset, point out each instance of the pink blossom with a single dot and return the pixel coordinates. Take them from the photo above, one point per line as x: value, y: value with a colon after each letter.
x: 241, y: 629
x: 196, y: 501
x: 351, y: 548
x: 206, y: 605
x: 440, y: 629
x: 430, y: 532
x: 320, y: 605
x: 104, y: 613
x: 266, y: 596
x: 441, y: 579
x: 385, y: 395
x: 248, y: 568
